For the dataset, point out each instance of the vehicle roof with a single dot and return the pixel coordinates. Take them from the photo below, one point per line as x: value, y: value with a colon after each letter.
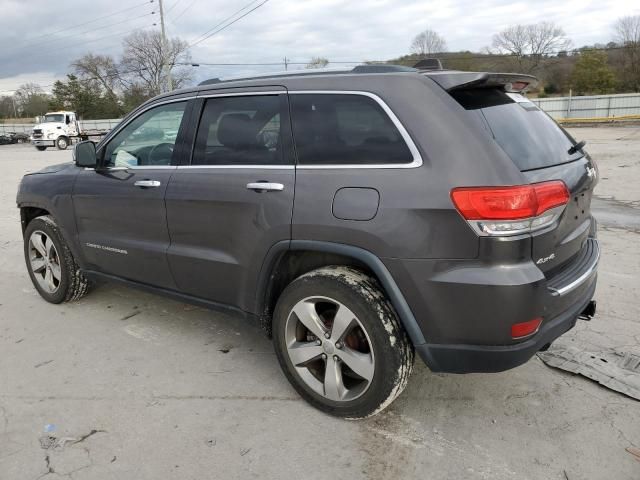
x: 357, y: 78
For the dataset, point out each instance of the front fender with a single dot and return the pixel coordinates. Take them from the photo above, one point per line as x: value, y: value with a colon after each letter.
x: 51, y: 191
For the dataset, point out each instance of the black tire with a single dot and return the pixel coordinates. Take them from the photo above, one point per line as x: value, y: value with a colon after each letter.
x: 72, y: 285
x: 362, y: 295
x: 41, y: 148
x: 62, y: 143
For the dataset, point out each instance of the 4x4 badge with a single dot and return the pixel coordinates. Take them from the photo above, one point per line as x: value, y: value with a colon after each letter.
x: 591, y: 171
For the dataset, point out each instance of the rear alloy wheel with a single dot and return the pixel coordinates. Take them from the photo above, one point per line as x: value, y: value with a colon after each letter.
x: 329, y: 348
x: 62, y: 143
x: 340, y: 343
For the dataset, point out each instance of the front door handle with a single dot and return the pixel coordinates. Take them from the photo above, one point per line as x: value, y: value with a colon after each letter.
x: 147, y: 183
x: 265, y: 187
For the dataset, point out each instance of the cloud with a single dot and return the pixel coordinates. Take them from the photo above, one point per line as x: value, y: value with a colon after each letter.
x: 336, y: 29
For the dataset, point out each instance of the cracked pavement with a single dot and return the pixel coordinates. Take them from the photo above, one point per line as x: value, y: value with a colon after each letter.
x: 177, y: 392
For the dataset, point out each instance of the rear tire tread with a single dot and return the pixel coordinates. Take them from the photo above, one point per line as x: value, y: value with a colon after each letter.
x: 370, y: 291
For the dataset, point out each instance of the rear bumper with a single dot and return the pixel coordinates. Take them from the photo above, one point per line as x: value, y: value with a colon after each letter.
x: 466, y: 309
x: 489, y: 358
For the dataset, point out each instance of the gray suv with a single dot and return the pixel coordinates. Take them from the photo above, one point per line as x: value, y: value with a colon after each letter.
x: 358, y: 216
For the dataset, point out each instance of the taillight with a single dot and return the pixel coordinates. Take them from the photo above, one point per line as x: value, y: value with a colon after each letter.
x: 513, y: 209
x: 524, y: 329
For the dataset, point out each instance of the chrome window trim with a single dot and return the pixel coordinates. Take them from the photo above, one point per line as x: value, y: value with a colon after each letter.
x: 121, y: 125
x: 140, y: 167
x: 234, y: 167
x: 417, y: 158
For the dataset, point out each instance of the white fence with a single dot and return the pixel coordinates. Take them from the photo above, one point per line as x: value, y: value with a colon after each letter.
x: 106, y: 124
x: 597, y: 106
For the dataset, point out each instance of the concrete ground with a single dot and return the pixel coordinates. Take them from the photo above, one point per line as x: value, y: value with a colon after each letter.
x: 135, y: 386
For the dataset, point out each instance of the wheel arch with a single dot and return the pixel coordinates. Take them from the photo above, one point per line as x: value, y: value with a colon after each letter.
x: 29, y: 212
x: 288, y: 260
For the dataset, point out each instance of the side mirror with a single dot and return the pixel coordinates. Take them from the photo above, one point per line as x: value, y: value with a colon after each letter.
x: 84, y: 154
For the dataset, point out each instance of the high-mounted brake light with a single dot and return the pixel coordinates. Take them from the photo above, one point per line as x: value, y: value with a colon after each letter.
x: 513, y: 209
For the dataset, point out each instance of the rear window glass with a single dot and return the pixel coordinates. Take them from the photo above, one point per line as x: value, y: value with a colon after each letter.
x: 527, y: 134
x: 334, y: 129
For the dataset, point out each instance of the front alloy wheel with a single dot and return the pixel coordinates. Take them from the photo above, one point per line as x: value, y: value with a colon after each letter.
x: 44, y: 261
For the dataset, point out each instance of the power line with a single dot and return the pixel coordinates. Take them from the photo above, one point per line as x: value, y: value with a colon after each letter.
x: 212, y: 31
x: 172, y: 6
x: 94, y: 20
x: 83, y: 43
x: 340, y: 62
x: 92, y: 30
x: 183, y: 11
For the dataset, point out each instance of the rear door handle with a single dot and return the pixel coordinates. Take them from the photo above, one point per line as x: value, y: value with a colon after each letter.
x: 147, y: 183
x: 265, y: 187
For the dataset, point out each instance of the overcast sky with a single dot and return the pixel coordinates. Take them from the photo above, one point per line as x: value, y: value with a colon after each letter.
x: 38, y: 39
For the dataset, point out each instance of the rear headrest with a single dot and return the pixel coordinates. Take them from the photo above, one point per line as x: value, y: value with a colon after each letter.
x: 236, y: 130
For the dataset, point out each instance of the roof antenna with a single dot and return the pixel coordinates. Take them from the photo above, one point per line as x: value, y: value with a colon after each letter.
x: 429, y: 64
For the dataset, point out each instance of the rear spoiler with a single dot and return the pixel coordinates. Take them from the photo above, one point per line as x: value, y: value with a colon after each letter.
x: 452, y: 80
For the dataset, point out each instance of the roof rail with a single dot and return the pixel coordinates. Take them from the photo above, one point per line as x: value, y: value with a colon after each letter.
x: 372, y: 68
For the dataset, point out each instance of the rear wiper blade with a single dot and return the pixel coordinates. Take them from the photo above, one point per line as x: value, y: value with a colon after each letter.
x: 578, y: 146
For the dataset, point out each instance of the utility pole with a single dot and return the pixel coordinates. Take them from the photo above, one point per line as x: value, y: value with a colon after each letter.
x: 286, y: 63
x: 165, y: 48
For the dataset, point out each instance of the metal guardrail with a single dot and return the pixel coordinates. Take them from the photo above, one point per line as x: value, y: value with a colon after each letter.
x: 106, y: 124
x: 594, y: 107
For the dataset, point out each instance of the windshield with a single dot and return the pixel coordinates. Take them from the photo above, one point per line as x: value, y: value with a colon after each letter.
x: 59, y: 118
x: 528, y: 135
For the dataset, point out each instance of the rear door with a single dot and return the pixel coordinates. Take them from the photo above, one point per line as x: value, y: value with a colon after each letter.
x: 234, y: 199
x: 119, y: 207
x: 540, y: 148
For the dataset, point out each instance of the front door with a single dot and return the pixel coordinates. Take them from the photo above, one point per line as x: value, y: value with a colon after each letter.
x: 235, y: 200
x: 119, y: 206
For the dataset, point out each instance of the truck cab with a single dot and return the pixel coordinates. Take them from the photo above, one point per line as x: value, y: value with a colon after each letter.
x: 55, y: 129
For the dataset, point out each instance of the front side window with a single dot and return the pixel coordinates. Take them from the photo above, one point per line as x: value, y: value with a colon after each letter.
x: 148, y: 140
x: 240, y: 131
x: 334, y: 129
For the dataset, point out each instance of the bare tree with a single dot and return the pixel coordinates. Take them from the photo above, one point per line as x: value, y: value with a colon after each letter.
x: 628, y: 36
x: 146, y: 62
x: 317, y: 62
x: 31, y: 100
x: 101, y: 69
x: 530, y: 44
x: 427, y: 43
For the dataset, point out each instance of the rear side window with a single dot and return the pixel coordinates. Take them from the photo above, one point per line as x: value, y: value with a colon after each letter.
x: 240, y: 131
x: 528, y: 135
x: 335, y: 129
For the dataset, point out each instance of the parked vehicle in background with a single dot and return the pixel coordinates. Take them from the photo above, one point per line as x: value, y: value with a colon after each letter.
x: 360, y: 216
x: 59, y: 129
x: 13, y: 137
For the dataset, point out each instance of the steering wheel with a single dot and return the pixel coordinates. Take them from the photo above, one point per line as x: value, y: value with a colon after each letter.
x: 160, y: 154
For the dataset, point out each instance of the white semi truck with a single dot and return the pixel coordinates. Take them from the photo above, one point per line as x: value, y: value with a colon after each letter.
x: 55, y: 129
x: 60, y: 129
